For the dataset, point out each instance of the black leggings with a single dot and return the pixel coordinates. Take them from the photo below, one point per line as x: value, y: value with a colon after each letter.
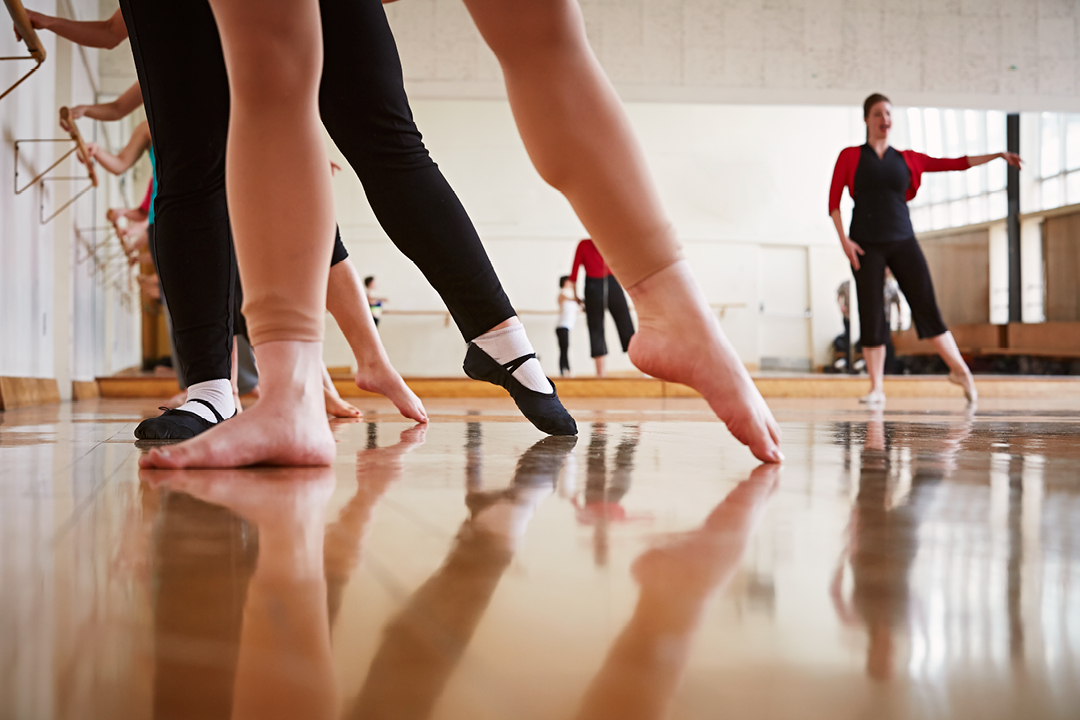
x: 362, y: 99
x: 600, y: 296
x: 905, y: 259
x: 564, y: 349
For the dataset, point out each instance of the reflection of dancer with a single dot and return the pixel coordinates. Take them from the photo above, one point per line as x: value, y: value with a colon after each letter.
x: 602, y: 292
x: 568, y: 310
x: 424, y: 643
x: 603, y: 494
x: 678, y: 578
x: 881, y: 180
x: 884, y: 540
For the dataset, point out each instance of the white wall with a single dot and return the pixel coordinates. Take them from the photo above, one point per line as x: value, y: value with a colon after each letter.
x: 1003, y: 54
x: 734, y: 179
x: 57, y: 320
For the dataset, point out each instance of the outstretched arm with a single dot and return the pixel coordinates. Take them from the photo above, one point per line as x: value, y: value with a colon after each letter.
x: 93, y: 33
x: 1011, y: 158
x: 119, y: 108
x: 119, y: 164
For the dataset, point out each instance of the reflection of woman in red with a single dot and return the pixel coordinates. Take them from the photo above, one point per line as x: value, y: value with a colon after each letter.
x: 602, y: 292
x: 882, y: 180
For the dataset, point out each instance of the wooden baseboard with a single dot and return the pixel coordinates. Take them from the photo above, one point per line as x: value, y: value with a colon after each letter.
x: 85, y: 390
x: 17, y: 392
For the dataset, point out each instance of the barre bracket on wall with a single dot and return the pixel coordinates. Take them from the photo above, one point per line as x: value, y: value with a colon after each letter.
x: 33, y: 44
x: 79, y: 147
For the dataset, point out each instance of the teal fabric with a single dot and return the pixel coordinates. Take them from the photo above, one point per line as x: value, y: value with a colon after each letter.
x: 153, y: 194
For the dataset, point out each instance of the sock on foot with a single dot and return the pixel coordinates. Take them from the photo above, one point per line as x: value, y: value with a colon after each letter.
x: 507, y: 345
x: 218, y: 393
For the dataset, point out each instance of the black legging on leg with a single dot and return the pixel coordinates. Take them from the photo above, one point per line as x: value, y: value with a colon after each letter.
x: 908, y: 264
x: 564, y: 349
x: 187, y: 105
x: 364, y: 107
x: 606, y: 294
x: 186, y: 92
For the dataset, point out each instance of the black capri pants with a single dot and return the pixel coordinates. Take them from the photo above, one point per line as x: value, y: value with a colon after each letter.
x: 606, y: 294
x: 908, y: 264
x: 363, y: 105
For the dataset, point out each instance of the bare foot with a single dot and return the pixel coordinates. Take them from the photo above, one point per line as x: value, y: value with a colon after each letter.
x: 176, y: 400
x: 335, y: 406
x: 680, y: 340
x: 287, y: 426
x: 379, y: 376
x: 967, y: 384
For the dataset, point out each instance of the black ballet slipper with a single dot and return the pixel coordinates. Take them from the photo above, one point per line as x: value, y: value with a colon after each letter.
x: 177, y: 424
x: 544, y: 410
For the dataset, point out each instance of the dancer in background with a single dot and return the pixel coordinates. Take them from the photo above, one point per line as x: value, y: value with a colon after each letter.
x: 602, y: 292
x: 375, y: 303
x: 568, y: 310
x: 881, y: 181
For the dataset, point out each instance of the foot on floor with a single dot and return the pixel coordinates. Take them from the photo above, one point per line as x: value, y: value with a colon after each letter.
x: 544, y: 410
x: 208, y: 403
x: 679, y: 340
x: 967, y: 384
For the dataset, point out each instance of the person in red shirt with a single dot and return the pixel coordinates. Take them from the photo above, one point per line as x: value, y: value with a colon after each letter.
x: 602, y: 292
x: 881, y: 181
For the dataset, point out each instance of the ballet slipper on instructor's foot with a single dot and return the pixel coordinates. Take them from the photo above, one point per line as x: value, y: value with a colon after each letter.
x: 679, y: 340
x: 967, y: 384
x: 875, y: 397
x: 287, y: 426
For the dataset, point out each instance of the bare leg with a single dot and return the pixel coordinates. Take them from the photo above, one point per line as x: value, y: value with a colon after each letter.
x: 875, y: 368
x: 959, y: 374
x: 276, y: 163
x: 579, y: 138
x: 599, y: 366
x: 347, y: 302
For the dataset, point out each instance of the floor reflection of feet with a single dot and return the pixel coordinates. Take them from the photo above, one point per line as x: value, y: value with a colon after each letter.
x: 284, y: 667
x: 677, y: 578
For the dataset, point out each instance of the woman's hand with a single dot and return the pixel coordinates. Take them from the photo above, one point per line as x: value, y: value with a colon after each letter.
x: 853, y: 251
x: 92, y: 149
x: 78, y: 111
x: 1011, y: 158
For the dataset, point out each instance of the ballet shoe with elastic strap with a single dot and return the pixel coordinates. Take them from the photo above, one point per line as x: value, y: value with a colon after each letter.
x: 544, y: 410
x: 177, y: 424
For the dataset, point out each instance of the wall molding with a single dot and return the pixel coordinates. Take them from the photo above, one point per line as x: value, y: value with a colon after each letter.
x: 16, y: 392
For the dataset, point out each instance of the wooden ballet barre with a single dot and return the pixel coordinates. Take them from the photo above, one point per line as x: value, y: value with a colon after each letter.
x: 29, y: 36
x: 68, y: 124
x: 444, y: 314
x: 722, y: 308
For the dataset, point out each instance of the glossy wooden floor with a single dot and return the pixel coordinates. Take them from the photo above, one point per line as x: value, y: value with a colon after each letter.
x: 923, y: 562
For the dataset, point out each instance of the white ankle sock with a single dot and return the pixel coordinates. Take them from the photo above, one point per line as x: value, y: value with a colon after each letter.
x: 216, y: 392
x: 509, y: 344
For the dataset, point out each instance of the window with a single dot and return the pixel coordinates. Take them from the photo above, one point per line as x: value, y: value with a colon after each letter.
x: 1059, y: 160
x: 958, y: 198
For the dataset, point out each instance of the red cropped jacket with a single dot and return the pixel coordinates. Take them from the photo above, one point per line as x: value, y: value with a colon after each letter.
x: 848, y: 162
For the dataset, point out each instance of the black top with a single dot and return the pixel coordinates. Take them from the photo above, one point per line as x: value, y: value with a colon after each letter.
x: 881, y: 185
